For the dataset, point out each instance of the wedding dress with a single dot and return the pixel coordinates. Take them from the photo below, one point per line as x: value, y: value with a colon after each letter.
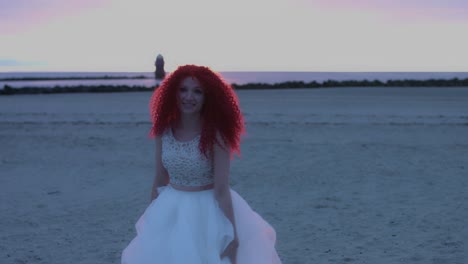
x: 189, y: 227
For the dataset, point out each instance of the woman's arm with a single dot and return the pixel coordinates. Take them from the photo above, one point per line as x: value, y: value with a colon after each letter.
x: 161, y: 177
x: 222, y: 162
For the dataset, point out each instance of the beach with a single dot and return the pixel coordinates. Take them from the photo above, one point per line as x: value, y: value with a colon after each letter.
x: 344, y: 175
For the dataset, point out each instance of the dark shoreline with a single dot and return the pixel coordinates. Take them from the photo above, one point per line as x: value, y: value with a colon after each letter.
x: 455, y: 82
x: 77, y: 78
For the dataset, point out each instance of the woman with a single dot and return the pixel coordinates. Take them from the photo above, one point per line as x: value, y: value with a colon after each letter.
x: 194, y: 216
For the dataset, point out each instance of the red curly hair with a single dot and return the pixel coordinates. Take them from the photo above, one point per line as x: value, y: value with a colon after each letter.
x: 220, y: 114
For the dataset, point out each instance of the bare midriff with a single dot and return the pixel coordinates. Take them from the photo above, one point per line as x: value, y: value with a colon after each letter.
x: 192, y: 188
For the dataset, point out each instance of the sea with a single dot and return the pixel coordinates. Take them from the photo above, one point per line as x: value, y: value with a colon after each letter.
x: 237, y: 77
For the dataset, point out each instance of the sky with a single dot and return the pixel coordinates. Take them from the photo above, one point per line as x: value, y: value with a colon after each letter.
x: 235, y: 35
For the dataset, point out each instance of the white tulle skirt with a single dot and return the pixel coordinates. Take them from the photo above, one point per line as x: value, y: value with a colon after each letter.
x: 189, y: 227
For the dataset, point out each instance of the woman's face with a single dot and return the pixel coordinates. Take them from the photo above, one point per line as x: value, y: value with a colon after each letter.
x: 191, y: 96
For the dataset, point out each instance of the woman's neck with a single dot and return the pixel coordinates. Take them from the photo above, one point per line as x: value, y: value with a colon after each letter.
x: 190, y: 123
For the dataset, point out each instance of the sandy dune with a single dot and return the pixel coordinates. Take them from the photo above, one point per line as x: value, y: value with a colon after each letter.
x: 351, y: 175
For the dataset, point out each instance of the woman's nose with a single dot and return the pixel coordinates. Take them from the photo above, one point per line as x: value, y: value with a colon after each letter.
x: 189, y: 95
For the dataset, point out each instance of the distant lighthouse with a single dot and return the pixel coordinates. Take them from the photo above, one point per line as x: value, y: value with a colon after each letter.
x: 159, y: 63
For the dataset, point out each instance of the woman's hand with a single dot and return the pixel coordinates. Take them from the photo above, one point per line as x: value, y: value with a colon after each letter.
x: 231, y: 251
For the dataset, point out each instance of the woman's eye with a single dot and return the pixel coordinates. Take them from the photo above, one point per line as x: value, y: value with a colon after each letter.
x: 198, y: 91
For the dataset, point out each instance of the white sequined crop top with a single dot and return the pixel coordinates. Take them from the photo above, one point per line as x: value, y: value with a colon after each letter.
x: 184, y: 162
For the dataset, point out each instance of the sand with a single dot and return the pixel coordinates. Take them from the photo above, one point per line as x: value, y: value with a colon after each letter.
x: 344, y: 175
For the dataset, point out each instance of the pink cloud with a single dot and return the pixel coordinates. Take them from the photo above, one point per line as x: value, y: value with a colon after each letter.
x: 403, y: 9
x: 399, y: 4
x: 23, y: 14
